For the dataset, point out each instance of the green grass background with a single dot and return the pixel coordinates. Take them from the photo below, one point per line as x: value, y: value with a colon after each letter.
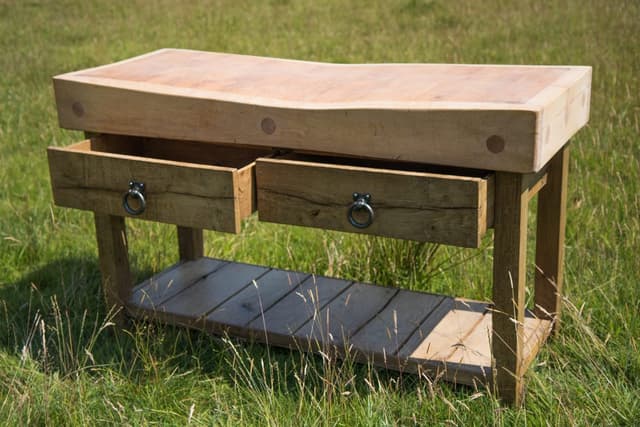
x: 62, y: 363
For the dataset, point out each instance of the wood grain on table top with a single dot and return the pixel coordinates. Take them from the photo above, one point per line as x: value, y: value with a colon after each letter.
x: 302, y: 82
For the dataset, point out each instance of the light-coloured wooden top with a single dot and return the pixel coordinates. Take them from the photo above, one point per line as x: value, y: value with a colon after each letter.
x: 300, y: 84
x: 433, y: 113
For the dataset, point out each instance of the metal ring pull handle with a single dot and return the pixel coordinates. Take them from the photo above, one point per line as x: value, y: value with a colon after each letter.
x: 361, y: 203
x: 136, y: 192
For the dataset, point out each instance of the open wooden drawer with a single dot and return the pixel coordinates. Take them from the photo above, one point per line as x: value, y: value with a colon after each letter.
x: 179, y: 182
x: 401, y: 200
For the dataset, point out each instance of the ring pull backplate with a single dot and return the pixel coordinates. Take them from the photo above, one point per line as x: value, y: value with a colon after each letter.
x: 361, y: 202
x: 136, y: 192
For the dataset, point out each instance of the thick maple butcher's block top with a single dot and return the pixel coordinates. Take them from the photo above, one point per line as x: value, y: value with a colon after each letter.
x: 496, y: 117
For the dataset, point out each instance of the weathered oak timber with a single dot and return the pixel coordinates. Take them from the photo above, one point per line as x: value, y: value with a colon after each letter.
x: 111, y: 234
x: 509, y: 274
x: 550, y: 234
x: 278, y: 324
x: 390, y: 329
x: 421, y: 206
x: 190, y: 243
x: 187, y: 194
x: 151, y: 293
x: 255, y: 299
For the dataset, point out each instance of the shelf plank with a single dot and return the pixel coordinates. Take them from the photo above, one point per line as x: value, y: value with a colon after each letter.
x: 472, y: 349
x: 475, y: 348
x: 248, y: 304
x: 152, y: 292
x: 388, y: 330
x: 440, y: 342
x: 208, y: 293
x: 279, y: 322
x: 345, y: 315
x: 424, y: 330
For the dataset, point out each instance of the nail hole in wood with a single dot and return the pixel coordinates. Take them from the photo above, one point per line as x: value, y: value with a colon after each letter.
x: 78, y: 109
x: 268, y: 125
x: 495, y: 143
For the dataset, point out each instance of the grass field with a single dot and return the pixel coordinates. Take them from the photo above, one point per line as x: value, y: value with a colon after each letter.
x: 63, y: 363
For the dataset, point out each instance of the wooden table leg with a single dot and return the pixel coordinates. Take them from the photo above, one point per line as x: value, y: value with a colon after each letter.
x: 190, y: 243
x: 550, y: 234
x: 114, y: 262
x: 509, y: 276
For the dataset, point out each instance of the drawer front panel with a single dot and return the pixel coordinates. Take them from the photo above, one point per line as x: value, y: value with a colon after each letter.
x: 406, y: 205
x: 181, y: 193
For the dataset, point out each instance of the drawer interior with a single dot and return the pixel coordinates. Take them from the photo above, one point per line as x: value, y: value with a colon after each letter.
x: 385, y: 165
x: 178, y: 151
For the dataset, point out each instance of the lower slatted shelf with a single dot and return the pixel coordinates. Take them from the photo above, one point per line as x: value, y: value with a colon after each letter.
x: 393, y: 328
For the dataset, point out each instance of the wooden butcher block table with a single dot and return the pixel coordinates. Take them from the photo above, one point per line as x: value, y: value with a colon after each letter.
x: 426, y: 152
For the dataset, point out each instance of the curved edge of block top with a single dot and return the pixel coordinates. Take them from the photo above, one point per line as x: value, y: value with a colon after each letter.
x: 495, y: 117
